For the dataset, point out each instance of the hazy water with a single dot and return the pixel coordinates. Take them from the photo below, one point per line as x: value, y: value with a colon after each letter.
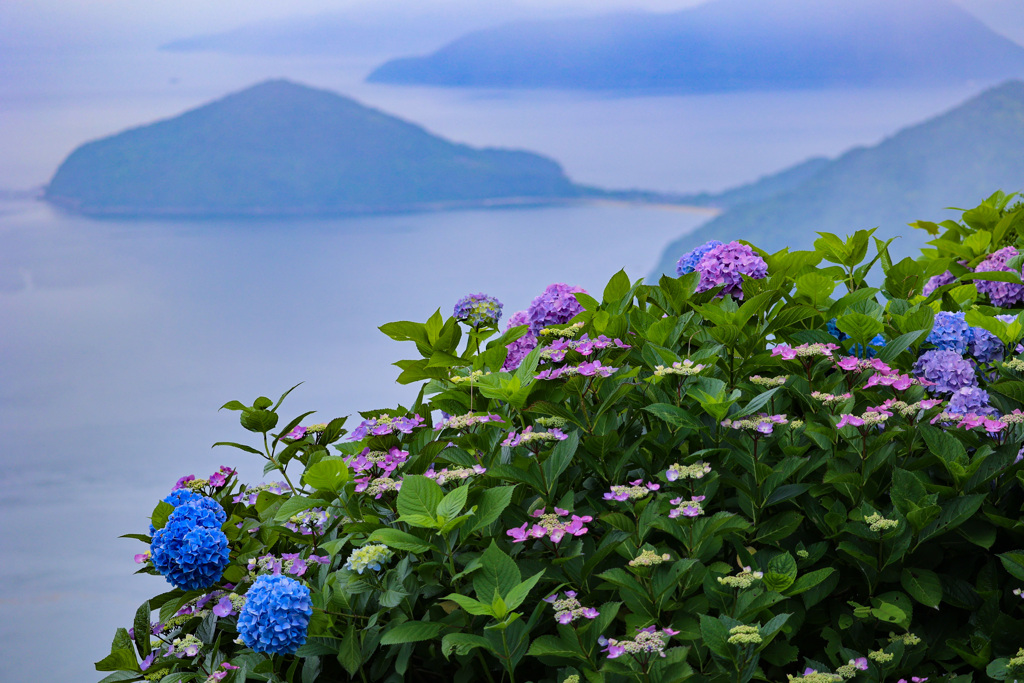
x: 120, y: 339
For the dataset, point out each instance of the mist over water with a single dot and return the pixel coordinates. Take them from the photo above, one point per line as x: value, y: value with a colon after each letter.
x: 122, y: 338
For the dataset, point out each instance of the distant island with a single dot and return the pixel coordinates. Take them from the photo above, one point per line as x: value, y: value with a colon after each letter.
x: 726, y: 45
x: 955, y: 159
x: 284, y: 149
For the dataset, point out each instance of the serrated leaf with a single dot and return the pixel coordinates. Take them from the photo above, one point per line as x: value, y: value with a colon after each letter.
x: 412, y: 632
x: 329, y: 474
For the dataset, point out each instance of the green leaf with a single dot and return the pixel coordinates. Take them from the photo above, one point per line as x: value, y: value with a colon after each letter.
x: 294, y: 506
x: 550, y: 646
x: 400, y: 540
x: 329, y: 474
x: 518, y: 595
x: 492, y: 503
x: 954, y: 513
x: 616, y: 288
x: 451, y: 505
x: 808, y: 581
x: 463, y: 643
x: 412, y: 632
x: 350, y: 655
x: 419, y: 497
x: 258, y: 421
x: 1013, y: 562
x: 239, y: 446
x: 675, y: 416
x: 470, y: 605
x: 716, y: 636
x: 923, y: 585
x: 497, y: 571
x: 143, y: 630
x: 860, y: 327
x: 160, y: 514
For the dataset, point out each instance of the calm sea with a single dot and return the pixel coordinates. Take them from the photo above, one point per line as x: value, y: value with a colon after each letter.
x: 121, y: 339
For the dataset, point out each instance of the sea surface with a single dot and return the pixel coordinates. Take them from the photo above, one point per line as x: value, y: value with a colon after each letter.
x: 119, y: 340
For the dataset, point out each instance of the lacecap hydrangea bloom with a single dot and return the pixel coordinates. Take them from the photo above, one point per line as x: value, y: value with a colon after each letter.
x: 520, y: 348
x: 191, y: 551
x: 687, y: 263
x: 999, y: 293
x: 725, y: 266
x: 479, y: 310
x: 950, y: 332
x: 370, y: 556
x: 555, y: 306
x: 944, y: 371
x: 276, y: 615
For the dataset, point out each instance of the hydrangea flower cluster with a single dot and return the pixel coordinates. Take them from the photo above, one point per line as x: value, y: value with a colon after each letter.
x: 249, y: 494
x: 454, y: 474
x: 744, y: 635
x: 695, y: 471
x: 649, y: 558
x: 191, y: 551
x: 528, y: 436
x: 984, y: 346
x: 589, y: 369
x: 568, y: 609
x: 276, y: 615
x: 183, y: 496
x: 465, y: 421
x: 831, y: 399
x: 768, y: 382
x: 726, y: 264
x: 553, y: 526
x: 647, y: 641
x: 944, y: 371
x: 972, y: 400
x: 225, y: 669
x: 687, y: 263
x: 762, y: 423
x: 905, y: 409
x: 788, y: 352
x: 854, y: 364
x: 287, y: 563
x: 869, y: 418
x: 556, y: 305
x: 950, y: 332
x: 308, y: 522
x: 936, y: 281
x: 742, y: 580
x: 377, y: 487
x: 1002, y: 294
x: 187, y: 646
x: 569, y: 332
x: 813, y: 676
x: 371, y: 556
x: 377, y: 462
x: 217, y: 480
x: 584, y: 346
x: 686, y: 508
x: 472, y: 377
x: 850, y: 669
x: 895, y: 380
x: 636, y: 490
x: 479, y: 310
x: 684, y: 368
x: 880, y: 524
x: 520, y: 348
x: 385, y: 424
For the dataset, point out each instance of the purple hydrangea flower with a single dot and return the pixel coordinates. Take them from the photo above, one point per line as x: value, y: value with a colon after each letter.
x: 725, y: 265
x: 984, y: 346
x: 479, y: 310
x: 971, y: 400
x: 688, y: 261
x: 944, y: 372
x: 555, y: 306
x: 520, y: 348
x: 950, y: 332
x: 276, y: 615
x: 999, y: 293
x: 937, y: 281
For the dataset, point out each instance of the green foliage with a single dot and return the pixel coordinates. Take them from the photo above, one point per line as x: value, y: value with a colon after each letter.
x: 694, y: 513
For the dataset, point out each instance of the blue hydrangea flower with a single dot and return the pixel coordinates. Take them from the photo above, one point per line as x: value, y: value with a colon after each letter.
x: 971, y: 400
x: 947, y: 371
x: 555, y: 306
x: 276, y: 614
x: 950, y: 332
x: 479, y: 310
x: 984, y: 346
x: 191, y: 551
x: 185, y: 497
x: 368, y: 557
x: 834, y: 330
x: 687, y: 263
x: 726, y: 264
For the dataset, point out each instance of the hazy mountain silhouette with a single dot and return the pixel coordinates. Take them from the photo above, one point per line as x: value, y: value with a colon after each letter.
x: 726, y: 45
x: 279, y: 148
x: 955, y: 159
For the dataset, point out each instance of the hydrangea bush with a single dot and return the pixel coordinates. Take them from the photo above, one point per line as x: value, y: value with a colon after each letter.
x: 800, y: 466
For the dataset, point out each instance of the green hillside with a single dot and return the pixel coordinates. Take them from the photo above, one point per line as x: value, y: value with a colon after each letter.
x: 279, y: 148
x: 955, y: 159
